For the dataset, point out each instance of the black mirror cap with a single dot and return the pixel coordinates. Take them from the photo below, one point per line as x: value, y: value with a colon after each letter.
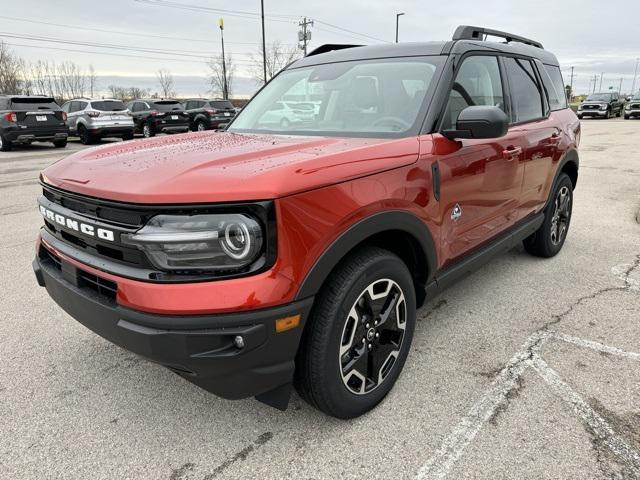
x: 479, y: 122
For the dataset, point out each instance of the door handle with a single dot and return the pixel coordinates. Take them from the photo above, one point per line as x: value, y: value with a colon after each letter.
x: 554, y: 139
x: 511, y: 153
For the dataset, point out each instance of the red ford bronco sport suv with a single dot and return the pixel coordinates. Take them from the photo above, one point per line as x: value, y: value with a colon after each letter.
x: 264, y: 257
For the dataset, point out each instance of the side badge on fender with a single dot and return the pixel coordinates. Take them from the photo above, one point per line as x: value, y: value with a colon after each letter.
x: 456, y: 213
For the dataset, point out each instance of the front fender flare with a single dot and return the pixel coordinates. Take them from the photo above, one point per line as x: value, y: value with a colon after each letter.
x: 395, y: 220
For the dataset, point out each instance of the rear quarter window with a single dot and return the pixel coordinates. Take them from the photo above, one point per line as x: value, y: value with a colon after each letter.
x: 553, y: 83
x: 167, y: 106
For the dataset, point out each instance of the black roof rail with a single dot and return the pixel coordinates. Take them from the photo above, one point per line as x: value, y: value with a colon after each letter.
x: 467, y: 32
x: 329, y: 47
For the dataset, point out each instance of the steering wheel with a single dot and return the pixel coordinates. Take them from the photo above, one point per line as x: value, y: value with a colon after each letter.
x: 390, y: 119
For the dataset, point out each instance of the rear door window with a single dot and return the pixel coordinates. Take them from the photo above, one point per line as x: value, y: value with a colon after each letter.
x: 526, y: 97
x: 221, y: 105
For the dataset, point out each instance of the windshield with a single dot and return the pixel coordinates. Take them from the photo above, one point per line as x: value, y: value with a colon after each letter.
x: 109, y: 106
x: 599, y: 97
x: 361, y: 98
x: 636, y: 97
x: 167, y: 106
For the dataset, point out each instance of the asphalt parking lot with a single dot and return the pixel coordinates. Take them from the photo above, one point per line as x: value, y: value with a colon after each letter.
x: 528, y: 368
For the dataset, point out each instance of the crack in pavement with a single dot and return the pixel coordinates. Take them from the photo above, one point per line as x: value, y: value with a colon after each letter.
x: 501, y: 390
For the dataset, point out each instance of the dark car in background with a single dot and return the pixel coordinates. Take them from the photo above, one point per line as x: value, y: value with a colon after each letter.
x: 25, y: 119
x: 152, y: 115
x: 206, y: 114
x: 93, y: 119
x: 602, y: 105
x: 632, y: 109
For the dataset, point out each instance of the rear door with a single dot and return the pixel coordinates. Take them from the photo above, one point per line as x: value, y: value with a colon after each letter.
x: 538, y: 130
x: 480, y: 180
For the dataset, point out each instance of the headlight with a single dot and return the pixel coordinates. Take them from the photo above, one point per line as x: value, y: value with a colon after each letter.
x: 604, y: 106
x: 207, y: 242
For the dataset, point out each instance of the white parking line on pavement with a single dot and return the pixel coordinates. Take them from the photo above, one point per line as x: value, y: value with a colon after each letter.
x: 438, y: 466
x: 596, y: 423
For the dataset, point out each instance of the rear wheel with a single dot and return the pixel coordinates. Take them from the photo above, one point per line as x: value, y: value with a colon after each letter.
x: 201, y: 126
x: 148, y: 131
x: 5, y: 145
x: 359, y: 334
x: 85, y: 136
x: 548, y: 240
x: 60, y: 143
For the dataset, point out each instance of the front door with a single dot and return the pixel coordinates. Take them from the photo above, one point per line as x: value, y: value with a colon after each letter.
x: 480, y: 180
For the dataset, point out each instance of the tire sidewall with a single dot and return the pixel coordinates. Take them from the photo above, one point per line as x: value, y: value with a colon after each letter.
x: 342, y: 401
x: 563, y: 180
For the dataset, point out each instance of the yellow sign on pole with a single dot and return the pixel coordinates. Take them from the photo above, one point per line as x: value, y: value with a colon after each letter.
x: 221, y: 23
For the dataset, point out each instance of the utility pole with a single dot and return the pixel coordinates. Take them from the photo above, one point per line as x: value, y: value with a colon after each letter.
x: 601, y: 77
x: 620, y: 88
x: 264, y: 45
x: 635, y: 75
x: 304, y: 35
x: 571, y: 84
x: 225, y: 91
x: 398, y: 15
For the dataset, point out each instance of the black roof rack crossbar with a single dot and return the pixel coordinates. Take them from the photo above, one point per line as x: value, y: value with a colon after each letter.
x: 467, y: 32
x: 329, y: 47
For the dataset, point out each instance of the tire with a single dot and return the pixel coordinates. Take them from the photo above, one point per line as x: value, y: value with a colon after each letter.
x: 608, y: 115
x: 85, y: 136
x: 339, y: 319
x: 548, y: 240
x: 201, y: 126
x: 148, y: 131
x: 627, y: 117
x: 127, y: 136
x: 579, y: 117
x: 60, y: 143
x: 5, y: 145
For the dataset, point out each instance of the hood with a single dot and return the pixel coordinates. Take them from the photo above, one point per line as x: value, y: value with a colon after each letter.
x: 210, y: 167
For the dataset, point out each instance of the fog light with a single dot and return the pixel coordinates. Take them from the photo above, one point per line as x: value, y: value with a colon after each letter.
x: 238, y: 341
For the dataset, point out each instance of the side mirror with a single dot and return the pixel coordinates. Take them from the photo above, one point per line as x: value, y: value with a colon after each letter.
x: 479, y: 122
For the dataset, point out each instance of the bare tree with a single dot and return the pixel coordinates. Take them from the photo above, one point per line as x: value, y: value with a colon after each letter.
x: 127, y: 93
x: 135, y: 92
x: 92, y: 80
x: 216, y: 75
x: 165, y: 79
x: 277, y: 58
x: 11, y: 69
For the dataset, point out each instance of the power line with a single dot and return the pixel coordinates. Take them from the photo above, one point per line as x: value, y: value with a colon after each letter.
x: 119, y: 32
x: 184, y: 53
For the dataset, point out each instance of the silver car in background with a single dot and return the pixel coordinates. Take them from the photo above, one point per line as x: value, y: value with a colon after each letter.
x: 93, y: 119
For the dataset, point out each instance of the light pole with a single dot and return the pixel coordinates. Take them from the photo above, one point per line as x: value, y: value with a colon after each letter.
x: 635, y: 75
x: 225, y: 92
x: 398, y: 15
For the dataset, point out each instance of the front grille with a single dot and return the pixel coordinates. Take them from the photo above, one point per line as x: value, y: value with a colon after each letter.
x: 104, y: 288
x: 85, y: 280
x: 591, y: 107
x: 635, y: 106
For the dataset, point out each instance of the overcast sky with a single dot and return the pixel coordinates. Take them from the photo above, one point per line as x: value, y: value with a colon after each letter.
x: 594, y: 36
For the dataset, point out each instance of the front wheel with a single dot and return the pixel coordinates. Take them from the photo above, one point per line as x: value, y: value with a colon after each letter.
x: 60, y: 143
x: 359, y: 334
x: 548, y: 240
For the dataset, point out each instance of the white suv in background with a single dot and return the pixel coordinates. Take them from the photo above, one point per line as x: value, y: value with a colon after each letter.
x: 93, y: 119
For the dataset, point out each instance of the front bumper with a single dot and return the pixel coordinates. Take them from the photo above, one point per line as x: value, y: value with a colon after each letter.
x: 592, y: 113
x: 200, y: 348
x: 632, y: 113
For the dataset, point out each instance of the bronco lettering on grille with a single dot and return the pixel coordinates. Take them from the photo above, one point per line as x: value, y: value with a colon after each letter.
x: 84, y: 228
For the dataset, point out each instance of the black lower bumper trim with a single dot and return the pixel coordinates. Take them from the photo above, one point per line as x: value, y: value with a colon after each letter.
x: 199, y: 348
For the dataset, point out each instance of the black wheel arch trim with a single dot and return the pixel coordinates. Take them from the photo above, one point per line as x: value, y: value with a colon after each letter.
x: 359, y: 232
